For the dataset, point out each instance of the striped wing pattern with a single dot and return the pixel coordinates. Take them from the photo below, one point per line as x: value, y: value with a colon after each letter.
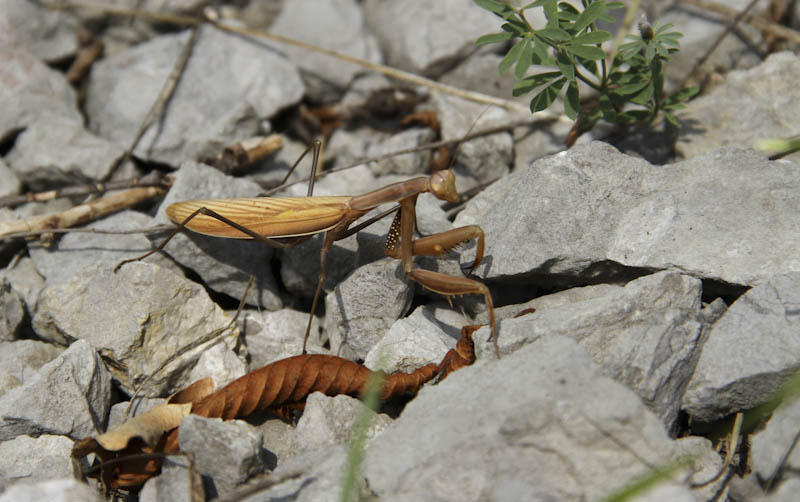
x: 269, y: 216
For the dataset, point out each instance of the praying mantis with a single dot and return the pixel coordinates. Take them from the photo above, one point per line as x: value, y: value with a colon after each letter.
x: 285, y: 222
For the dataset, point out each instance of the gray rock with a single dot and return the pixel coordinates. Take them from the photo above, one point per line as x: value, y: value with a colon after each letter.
x: 347, y: 145
x: 432, y: 43
x: 479, y: 73
x: 300, y: 265
x: 762, y: 94
x: 26, y: 280
x: 271, y: 171
x: 57, y: 151
x: 228, y: 84
x: 700, y: 30
x: 21, y: 360
x: 644, y: 335
x: 177, y: 482
x: 139, y: 318
x: 365, y: 305
x: 278, y: 441
x: 533, y: 143
x: 328, y: 421
x: 49, y: 34
x: 706, y: 464
x: 408, y: 164
x: 270, y: 336
x: 76, y: 251
x: 225, y: 265
x: 745, y: 488
x: 226, y: 453
x: 9, y: 182
x: 311, y: 477
x: 56, y: 490
x: 555, y: 300
x: 749, y: 352
x: 786, y: 492
x: 34, y: 459
x: 355, y: 181
x: 484, y: 427
x: 32, y: 91
x: 12, y: 312
x: 483, y: 159
x: 70, y: 396
x: 333, y: 24
x: 423, y: 337
x: 580, y: 214
x: 770, y: 445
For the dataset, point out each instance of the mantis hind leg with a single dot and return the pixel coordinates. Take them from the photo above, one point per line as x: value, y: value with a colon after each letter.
x: 449, y: 285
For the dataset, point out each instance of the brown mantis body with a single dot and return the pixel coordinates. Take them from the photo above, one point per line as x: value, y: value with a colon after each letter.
x: 295, y: 219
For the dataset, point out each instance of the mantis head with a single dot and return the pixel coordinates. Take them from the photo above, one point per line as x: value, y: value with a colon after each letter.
x: 443, y: 185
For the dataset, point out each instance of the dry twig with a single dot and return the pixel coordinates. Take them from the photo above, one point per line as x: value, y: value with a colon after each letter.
x: 79, y: 214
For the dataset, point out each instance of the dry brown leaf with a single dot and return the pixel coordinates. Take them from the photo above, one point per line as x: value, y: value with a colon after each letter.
x: 278, y: 386
x: 146, y: 433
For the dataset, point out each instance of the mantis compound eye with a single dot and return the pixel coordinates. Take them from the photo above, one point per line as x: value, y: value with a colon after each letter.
x: 443, y: 185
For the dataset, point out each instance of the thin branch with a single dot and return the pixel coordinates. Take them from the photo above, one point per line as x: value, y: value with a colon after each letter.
x: 79, y: 214
x: 429, y: 146
x: 627, y: 23
x: 733, y: 445
x: 161, y: 101
x: 728, y: 28
x: 758, y: 22
x: 154, y: 179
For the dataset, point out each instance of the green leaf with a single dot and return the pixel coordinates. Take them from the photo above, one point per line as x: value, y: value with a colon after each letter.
x: 663, y: 28
x: 631, y: 88
x: 530, y: 83
x: 544, y: 99
x: 512, y: 57
x: 540, y: 52
x: 669, y: 42
x: 673, y: 106
x: 568, y: 8
x: 556, y: 34
x: 590, y: 52
x: 525, y: 60
x: 499, y: 8
x: 608, y: 110
x: 590, y: 14
x: 607, y: 19
x: 565, y: 65
x: 615, y: 5
x: 673, y: 35
x: 650, y: 53
x: 516, y: 26
x: 573, y: 103
x: 629, y: 48
x: 592, y: 37
x: 550, y: 12
x: 644, y: 96
x: 493, y: 38
x: 685, y: 93
x: 671, y: 118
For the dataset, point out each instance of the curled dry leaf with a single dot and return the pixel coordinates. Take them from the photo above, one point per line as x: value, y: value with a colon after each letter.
x: 142, y: 434
x: 277, y: 386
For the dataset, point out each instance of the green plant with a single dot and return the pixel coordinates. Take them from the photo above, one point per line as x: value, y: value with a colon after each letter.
x: 629, y: 84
